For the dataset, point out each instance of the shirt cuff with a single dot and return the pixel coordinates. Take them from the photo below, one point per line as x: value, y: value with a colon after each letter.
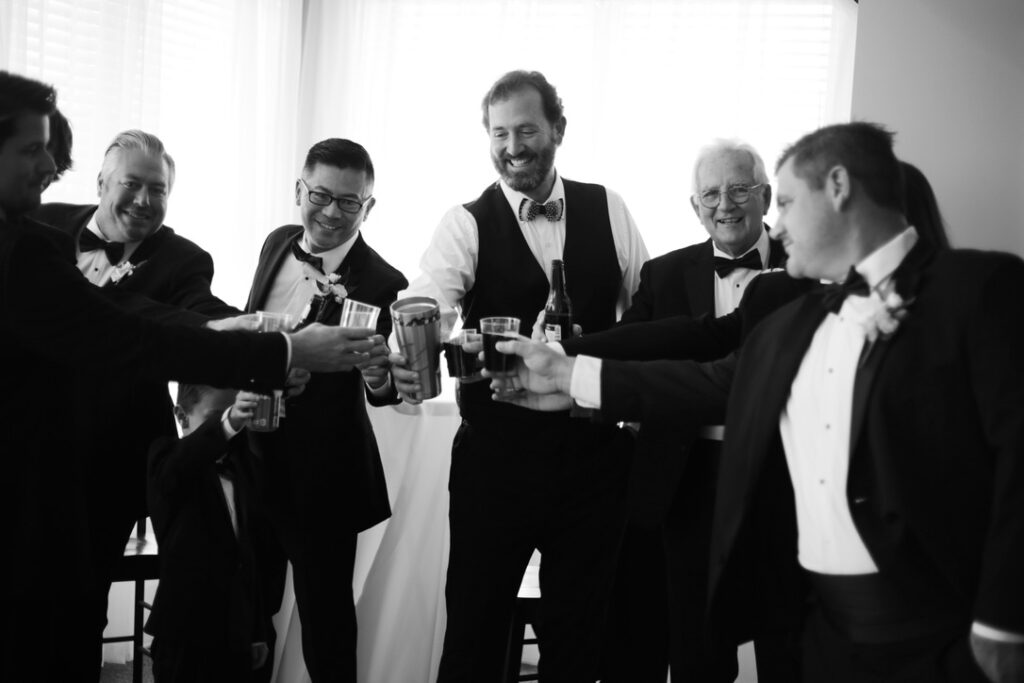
x: 225, y: 424
x: 998, y: 635
x: 288, y: 343
x: 585, y: 385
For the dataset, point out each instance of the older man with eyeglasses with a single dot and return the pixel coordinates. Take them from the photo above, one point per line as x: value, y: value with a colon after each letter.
x: 672, y: 492
x: 324, y: 482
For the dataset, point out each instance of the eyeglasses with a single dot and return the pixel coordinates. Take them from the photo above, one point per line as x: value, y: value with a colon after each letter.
x: 325, y: 199
x: 739, y: 194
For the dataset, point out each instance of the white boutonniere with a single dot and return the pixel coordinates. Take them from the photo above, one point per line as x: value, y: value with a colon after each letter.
x: 123, y: 270
x: 885, y: 316
x: 332, y: 285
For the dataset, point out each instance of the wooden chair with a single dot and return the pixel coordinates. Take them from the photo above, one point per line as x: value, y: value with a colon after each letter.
x: 139, y: 564
x: 527, y: 602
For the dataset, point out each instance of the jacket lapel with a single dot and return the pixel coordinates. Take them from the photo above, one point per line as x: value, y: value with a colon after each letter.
x: 700, y: 281
x: 266, y: 273
x: 776, y: 254
x: 907, y: 278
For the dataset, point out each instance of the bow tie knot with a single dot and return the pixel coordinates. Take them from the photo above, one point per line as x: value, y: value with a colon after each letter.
x: 88, y: 241
x: 529, y: 209
x: 751, y: 261
x: 305, y: 257
x: 835, y: 294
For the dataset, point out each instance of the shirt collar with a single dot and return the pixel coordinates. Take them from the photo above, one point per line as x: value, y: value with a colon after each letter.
x: 515, y: 198
x: 879, y: 265
x: 332, y: 258
x: 94, y: 227
x: 762, y: 245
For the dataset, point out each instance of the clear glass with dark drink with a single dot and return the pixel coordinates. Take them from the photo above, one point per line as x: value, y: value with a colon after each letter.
x: 495, y: 330
x: 463, y: 365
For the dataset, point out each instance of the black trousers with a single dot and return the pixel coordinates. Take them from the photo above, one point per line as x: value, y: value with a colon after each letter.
x: 175, y: 662
x: 513, y: 489
x: 322, y: 578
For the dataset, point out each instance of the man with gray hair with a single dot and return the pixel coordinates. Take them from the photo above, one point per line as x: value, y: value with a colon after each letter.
x: 124, y: 248
x: 671, y: 493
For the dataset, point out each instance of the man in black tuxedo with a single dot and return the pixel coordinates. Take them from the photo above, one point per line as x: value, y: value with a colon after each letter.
x: 56, y: 332
x: 868, y: 494
x: 123, y: 245
x: 671, y: 497
x: 324, y: 481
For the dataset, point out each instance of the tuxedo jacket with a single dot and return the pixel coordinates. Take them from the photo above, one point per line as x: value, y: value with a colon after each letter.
x: 936, y: 445
x: 208, y: 594
x: 683, y: 282
x: 322, y: 466
x: 56, y: 331
x: 130, y: 414
x: 673, y: 312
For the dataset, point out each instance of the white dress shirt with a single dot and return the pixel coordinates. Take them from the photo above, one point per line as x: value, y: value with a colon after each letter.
x: 448, y: 266
x: 296, y: 281
x: 95, y: 265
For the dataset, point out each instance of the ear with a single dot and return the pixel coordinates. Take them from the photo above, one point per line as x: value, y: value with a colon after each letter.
x: 99, y: 184
x: 369, y: 205
x: 838, y: 187
x: 181, y: 416
x: 559, y: 130
x: 298, y: 193
x: 695, y: 204
x: 767, y: 198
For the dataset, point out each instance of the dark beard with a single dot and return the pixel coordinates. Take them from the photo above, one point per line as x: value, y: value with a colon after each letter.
x: 526, y: 182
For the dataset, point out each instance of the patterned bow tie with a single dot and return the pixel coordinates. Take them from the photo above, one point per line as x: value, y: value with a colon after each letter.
x: 751, y: 260
x: 835, y: 294
x: 88, y: 241
x: 529, y: 209
x: 304, y: 256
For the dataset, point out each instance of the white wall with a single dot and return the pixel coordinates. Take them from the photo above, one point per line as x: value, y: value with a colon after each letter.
x: 948, y: 77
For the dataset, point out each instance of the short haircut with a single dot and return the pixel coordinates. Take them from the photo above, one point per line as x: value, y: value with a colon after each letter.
x: 61, y: 141
x: 517, y: 81
x: 340, y: 153
x: 20, y: 95
x: 189, y: 395
x: 140, y: 141
x: 863, y: 149
x: 723, y: 145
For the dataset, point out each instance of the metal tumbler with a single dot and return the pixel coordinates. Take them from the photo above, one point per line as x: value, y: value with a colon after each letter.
x: 417, y: 322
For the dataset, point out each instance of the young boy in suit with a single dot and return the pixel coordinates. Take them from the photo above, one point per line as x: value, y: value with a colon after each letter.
x: 207, y: 620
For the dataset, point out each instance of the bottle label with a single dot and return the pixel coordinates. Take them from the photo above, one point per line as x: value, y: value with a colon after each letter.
x: 553, y: 332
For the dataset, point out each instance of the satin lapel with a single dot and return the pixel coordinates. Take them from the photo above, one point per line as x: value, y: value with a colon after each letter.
x: 908, y: 278
x: 700, y: 281
x: 267, y: 271
x: 149, y: 245
x: 351, y: 268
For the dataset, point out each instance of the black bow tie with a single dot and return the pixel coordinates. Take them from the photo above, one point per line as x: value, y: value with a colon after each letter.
x: 835, y: 294
x: 751, y: 260
x: 302, y: 255
x: 88, y: 241
x: 529, y: 209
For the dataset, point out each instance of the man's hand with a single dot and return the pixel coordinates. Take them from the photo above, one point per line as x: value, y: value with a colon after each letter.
x: 246, y: 321
x: 297, y: 380
x: 375, y: 369
x: 322, y: 348
x: 1000, y: 662
x: 406, y: 381
x: 540, y: 370
x: 260, y: 652
x: 243, y: 409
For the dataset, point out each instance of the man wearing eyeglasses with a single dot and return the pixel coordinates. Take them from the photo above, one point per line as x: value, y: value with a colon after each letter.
x: 671, y: 493
x: 324, y: 482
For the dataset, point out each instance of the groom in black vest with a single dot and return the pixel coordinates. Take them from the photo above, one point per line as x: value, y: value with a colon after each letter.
x: 522, y: 480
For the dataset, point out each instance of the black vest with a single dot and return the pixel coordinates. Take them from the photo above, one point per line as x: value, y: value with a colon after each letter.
x: 510, y: 282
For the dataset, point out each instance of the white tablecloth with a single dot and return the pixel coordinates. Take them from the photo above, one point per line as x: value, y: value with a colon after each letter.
x: 400, y: 564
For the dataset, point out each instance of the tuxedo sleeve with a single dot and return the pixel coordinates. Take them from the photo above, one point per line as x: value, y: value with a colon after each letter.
x: 141, y: 305
x: 678, y: 337
x: 659, y: 391
x: 176, y: 466
x: 996, y: 371
x: 57, y: 313
x: 191, y: 290
x: 641, y: 307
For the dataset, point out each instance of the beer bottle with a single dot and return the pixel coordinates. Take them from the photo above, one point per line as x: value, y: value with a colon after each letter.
x: 558, y: 311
